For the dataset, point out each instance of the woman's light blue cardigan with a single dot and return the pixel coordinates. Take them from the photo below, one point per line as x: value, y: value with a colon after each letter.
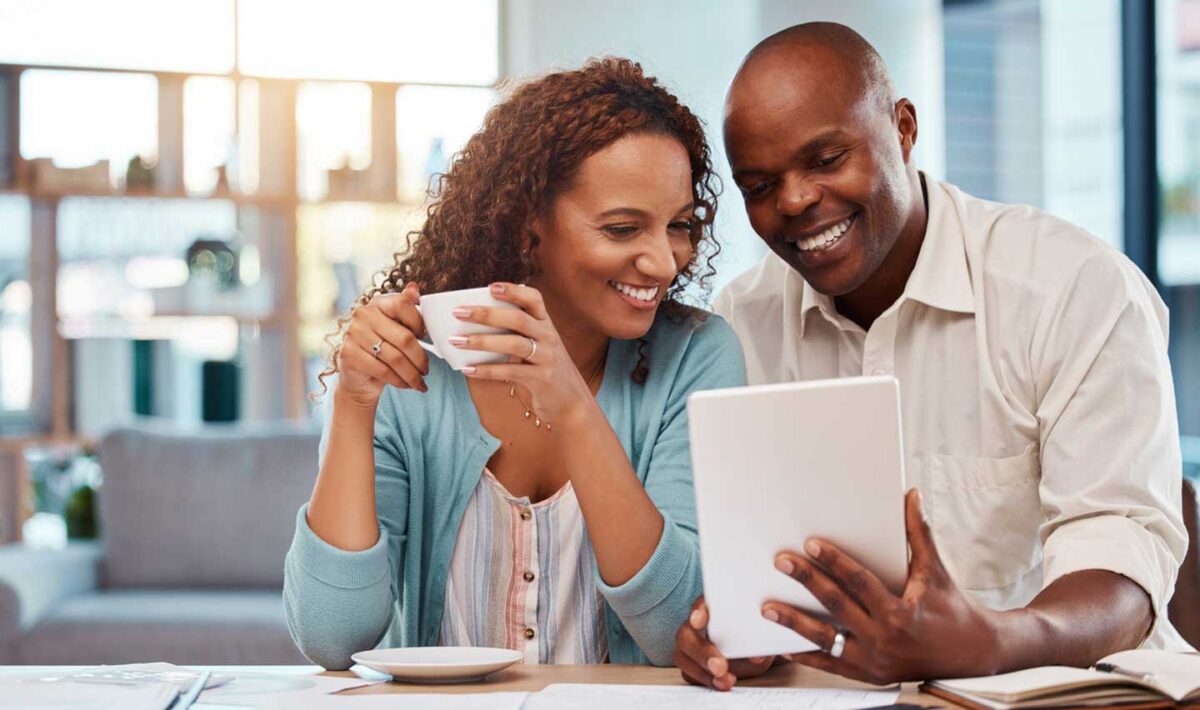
x: 430, y: 450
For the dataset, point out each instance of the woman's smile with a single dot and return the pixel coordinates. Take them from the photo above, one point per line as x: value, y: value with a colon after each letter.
x: 642, y: 298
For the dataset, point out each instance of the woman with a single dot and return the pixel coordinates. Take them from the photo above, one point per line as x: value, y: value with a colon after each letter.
x: 442, y: 514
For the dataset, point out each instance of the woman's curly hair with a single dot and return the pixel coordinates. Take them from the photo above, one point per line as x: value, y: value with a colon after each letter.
x: 477, y: 227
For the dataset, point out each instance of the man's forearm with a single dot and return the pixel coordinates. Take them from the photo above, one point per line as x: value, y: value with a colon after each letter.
x: 1075, y: 621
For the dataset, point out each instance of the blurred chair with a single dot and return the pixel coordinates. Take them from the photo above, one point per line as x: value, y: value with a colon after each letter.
x: 1184, y: 610
x: 194, y: 526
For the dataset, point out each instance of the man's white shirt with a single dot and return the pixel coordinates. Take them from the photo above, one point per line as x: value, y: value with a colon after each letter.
x: 1036, y: 396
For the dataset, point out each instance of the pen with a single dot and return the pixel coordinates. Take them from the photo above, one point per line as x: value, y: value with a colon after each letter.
x: 187, y: 699
x: 1112, y: 668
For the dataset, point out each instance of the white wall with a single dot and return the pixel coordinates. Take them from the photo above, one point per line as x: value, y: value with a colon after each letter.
x: 695, y: 47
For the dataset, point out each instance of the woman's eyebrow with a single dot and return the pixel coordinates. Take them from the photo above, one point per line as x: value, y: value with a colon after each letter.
x: 636, y: 212
x: 624, y: 211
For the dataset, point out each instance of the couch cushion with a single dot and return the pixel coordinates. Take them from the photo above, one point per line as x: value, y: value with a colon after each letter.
x: 212, y: 506
x: 215, y: 627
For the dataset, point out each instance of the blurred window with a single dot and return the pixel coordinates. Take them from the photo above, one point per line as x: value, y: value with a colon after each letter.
x: 78, y: 118
x: 1033, y: 106
x: 209, y: 134
x: 115, y: 253
x: 1178, y: 27
x: 341, y: 248
x: 370, y: 40
x: 183, y: 35
x: 375, y: 40
x: 16, y: 300
x: 333, y: 127
x: 432, y: 124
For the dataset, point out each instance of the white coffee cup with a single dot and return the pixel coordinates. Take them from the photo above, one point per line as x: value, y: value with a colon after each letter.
x: 437, y: 310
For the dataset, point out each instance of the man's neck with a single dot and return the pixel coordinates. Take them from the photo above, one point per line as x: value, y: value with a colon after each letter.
x: 884, y: 287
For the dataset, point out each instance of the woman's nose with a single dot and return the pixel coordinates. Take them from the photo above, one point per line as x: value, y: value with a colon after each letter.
x: 658, y: 260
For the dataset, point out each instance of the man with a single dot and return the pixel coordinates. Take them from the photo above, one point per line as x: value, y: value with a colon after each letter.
x: 1039, y: 415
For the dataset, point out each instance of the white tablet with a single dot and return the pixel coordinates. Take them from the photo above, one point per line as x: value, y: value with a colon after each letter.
x: 777, y: 464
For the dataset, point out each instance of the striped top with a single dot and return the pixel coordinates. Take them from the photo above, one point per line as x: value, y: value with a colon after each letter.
x: 523, y: 577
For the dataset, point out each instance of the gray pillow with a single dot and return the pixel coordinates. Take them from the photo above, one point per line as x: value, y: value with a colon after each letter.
x: 203, y: 507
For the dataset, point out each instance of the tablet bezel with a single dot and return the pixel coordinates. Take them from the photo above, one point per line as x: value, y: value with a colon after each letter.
x: 758, y: 455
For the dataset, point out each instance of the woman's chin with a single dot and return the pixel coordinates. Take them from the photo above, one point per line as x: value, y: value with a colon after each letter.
x: 630, y: 327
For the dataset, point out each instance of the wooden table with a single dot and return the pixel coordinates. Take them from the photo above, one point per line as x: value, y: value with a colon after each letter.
x: 523, y: 678
x: 532, y: 678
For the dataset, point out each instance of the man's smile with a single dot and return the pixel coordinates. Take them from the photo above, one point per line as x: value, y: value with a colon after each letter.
x: 823, y: 239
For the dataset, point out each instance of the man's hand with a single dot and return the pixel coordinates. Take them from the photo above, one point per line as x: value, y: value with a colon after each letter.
x: 701, y: 662
x: 933, y: 630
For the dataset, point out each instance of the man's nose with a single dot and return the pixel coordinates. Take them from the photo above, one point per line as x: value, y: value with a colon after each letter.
x: 795, y: 195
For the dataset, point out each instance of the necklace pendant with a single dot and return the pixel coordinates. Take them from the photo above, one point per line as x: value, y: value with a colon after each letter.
x: 512, y: 390
x: 527, y: 413
x: 537, y: 422
x: 547, y: 426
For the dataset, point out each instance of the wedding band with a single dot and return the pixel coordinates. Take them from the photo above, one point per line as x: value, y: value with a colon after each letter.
x: 377, y: 348
x: 839, y: 645
x: 532, y: 350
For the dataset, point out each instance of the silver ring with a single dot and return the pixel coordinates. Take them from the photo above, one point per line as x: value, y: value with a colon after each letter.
x: 839, y: 645
x: 377, y: 348
x: 532, y: 350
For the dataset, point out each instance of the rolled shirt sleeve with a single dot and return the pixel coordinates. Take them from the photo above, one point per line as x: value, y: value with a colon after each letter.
x: 1110, y: 457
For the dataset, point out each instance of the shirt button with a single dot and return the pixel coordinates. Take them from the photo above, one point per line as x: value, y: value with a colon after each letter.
x: 526, y: 515
x: 528, y: 576
x: 528, y: 633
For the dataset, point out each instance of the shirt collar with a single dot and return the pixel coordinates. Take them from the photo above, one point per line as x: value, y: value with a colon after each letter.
x: 940, y: 279
x: 811, y: 299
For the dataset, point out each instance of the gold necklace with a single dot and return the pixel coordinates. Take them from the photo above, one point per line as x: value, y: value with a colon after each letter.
x: 537, y: 421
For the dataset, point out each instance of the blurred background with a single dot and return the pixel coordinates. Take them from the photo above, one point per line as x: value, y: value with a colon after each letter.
x: 191, y: 192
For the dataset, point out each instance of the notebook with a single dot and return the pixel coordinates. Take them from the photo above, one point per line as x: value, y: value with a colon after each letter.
x: 1138, y: 678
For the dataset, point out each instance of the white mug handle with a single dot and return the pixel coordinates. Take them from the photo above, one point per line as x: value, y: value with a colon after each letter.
x: 428, y: 346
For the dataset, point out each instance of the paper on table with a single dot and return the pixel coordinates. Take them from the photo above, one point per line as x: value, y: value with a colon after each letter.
x: 255, y: 689
x: 571, y: 696
x: 400, y: 701
x: 142, y: 673
x: 26, y: 693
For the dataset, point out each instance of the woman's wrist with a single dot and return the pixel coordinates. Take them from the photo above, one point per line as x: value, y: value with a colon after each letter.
x: 579, y: 417
x: 346, y: 402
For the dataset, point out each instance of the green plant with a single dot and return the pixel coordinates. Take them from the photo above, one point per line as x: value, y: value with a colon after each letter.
x: 80, y: 513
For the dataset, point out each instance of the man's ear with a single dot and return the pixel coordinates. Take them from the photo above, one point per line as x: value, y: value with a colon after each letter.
x: 906, y: 126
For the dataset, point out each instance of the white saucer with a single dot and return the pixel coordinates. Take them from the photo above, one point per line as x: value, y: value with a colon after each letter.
x: 438, y: 664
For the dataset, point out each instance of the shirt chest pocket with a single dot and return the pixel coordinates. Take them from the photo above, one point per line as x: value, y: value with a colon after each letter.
x: 985, y: 515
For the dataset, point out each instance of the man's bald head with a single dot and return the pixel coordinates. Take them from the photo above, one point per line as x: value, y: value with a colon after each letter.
x: 820, y: 145
x: 824, y: 51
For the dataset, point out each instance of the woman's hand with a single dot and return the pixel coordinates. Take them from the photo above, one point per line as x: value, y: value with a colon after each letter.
x: 932, y: 630
x: 390, y: 322
x: 700, y: 661
x: 556, y: 387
